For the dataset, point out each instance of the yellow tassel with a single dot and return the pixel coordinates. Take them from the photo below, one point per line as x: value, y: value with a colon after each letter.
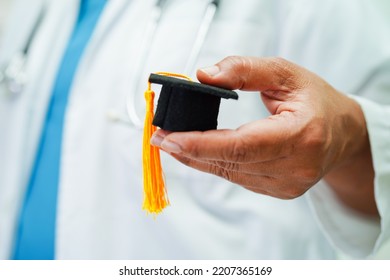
x: 155, y: 194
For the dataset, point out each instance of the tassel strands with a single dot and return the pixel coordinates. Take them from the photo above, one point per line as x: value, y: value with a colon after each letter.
x: 155, y: 195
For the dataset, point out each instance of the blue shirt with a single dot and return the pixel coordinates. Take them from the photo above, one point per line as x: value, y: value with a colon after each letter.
x: 36, y: 234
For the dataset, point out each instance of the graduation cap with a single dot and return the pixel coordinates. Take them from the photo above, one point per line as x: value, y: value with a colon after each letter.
x: 187, y: 106
x: 183, y: 105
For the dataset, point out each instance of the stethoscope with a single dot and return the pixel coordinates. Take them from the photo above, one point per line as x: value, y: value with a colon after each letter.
x: 14, y: 77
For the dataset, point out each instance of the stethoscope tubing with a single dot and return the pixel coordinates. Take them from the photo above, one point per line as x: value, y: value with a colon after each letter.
x: 13, y: 76
x: 155, y: 18
x: 203, y: 30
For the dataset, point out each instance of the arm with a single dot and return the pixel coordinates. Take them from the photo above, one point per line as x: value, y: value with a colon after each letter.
x: 314, y: 132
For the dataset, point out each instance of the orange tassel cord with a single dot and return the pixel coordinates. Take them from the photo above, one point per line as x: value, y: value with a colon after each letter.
x: 155, y: 194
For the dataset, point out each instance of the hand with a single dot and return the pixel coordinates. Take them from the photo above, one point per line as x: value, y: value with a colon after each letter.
x: 313, y: 130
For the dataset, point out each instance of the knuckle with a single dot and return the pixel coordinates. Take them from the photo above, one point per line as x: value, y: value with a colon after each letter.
x: 221, y: 172
x: 287, y: 73
x: 213, y: 169
x: 317, y: 136
x: 313, y: 134
x: 240, y: 67
x: 235, y: 60
x: 228, y: 165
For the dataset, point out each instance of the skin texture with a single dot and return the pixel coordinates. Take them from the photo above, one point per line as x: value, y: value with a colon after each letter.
x: 313, y: 132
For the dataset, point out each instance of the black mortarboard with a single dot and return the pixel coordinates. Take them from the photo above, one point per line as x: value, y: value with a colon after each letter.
x: 187, y: 106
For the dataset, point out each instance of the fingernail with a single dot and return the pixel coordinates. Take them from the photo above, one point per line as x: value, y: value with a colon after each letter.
x: 171, y: 147
x: 156, y: 140
x: 211, y: 71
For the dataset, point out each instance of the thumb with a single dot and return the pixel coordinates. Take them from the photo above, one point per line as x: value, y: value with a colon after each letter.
x: 254, y: 74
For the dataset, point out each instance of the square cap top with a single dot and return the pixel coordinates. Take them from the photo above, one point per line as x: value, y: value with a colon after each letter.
x: 187, y: 106
x: 194, y: 87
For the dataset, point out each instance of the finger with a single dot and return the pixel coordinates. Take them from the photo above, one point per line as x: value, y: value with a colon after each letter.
x: 271, y: 168
x: 266, y: 185
x: 256, y: 183
x: 259, y: 141
x: 255, y: 74
x: 267, y: 168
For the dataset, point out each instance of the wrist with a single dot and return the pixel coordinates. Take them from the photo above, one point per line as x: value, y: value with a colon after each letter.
x: 355, y: 133
x: 352, y: 176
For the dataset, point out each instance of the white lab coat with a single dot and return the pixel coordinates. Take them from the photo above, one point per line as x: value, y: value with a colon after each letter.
x: 99, y: 213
